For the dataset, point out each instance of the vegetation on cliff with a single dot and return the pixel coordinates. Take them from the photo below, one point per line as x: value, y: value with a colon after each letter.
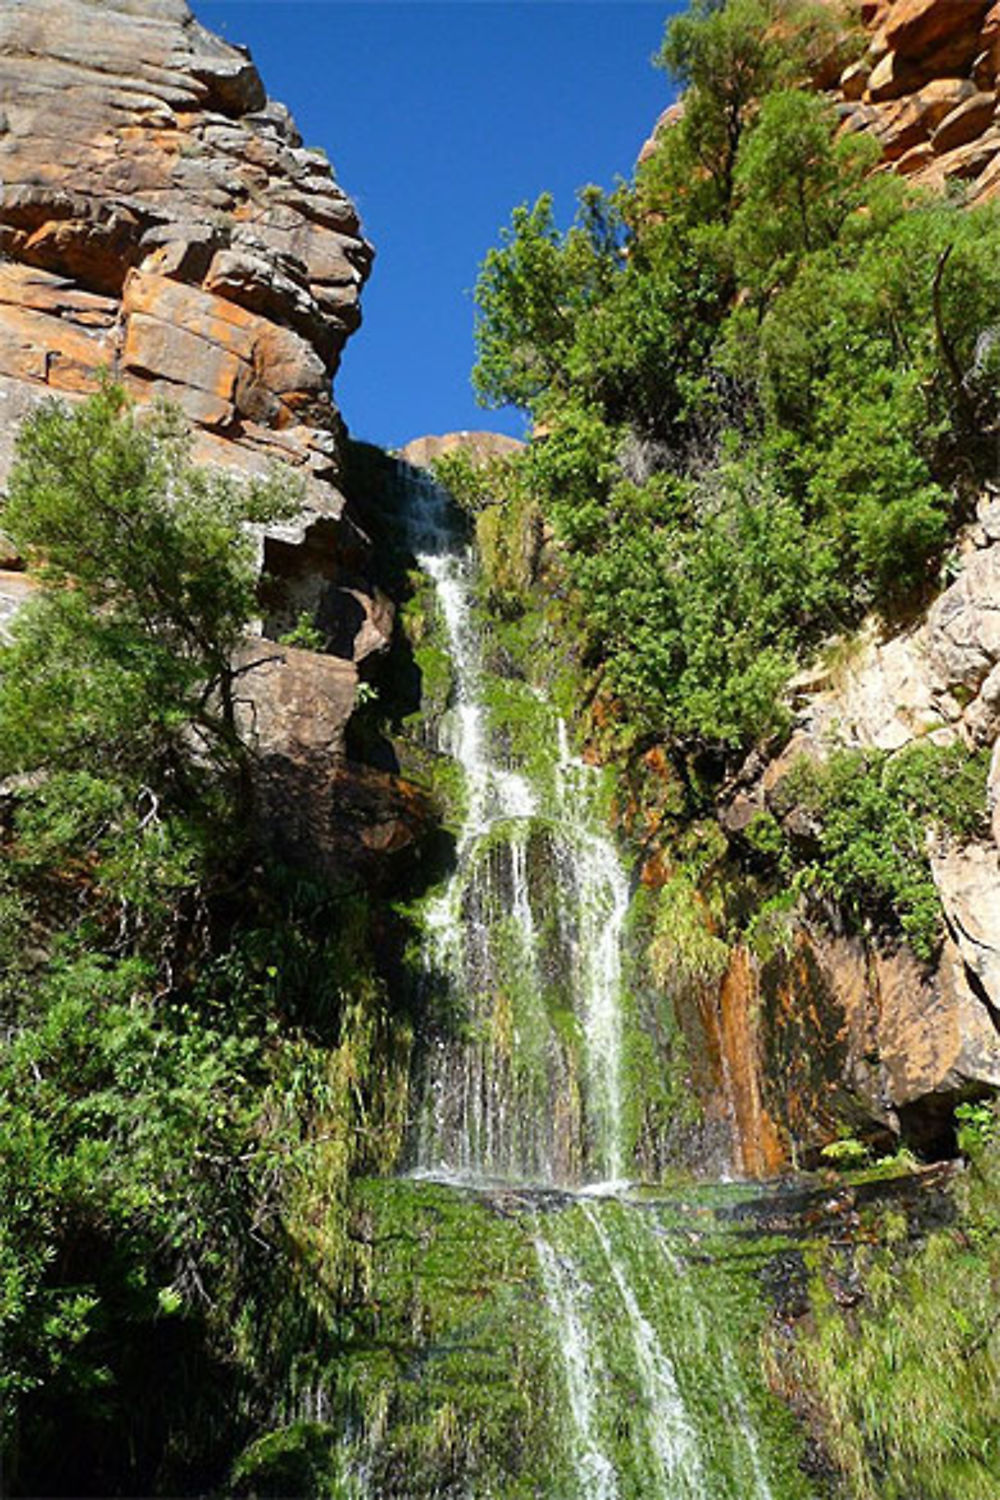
x: 764, y: 378
x: 765, y: 388
x: 192, y: 1034
x: 764, y: 382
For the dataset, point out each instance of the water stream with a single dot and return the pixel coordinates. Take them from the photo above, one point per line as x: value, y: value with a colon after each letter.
x: 526, y: 936
x: 568, y: 1338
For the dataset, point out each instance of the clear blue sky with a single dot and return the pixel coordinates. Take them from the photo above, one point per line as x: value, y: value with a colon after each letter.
x: 439, y: 118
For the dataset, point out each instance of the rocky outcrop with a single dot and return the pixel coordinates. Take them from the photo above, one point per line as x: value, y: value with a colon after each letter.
x: 315, y: 805
x: 480, y: 446
x: 161, y: 219
x: 889, y: 1041
x: 927, y: 89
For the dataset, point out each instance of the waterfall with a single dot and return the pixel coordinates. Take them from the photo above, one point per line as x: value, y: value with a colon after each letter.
x: 592, y: 1467
x: 532, y: 1324
x: 525, y: 938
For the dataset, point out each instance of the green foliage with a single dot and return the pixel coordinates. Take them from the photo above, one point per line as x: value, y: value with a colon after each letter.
x: 904, y: 1387
x: 195, y: 1052
x: 797, y: 189
x: 685, y: 949
x: 304, y: 634
x: 872, y: 814
x: 148, y: 580
x: 848, y: 1152
x: 761, y: 421
x: 978, y: 1127
x: 532, y: 290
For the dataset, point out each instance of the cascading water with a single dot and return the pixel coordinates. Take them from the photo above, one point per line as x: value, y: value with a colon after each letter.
x: 535, y: 1328
x: 525, y: 939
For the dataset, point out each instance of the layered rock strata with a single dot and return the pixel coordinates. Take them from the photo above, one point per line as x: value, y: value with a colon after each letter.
x: 161, y: 219
x: 926, y: 88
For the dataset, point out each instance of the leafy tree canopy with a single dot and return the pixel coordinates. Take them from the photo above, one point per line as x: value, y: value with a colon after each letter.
x: 763, y: 398
x: 147, y: 567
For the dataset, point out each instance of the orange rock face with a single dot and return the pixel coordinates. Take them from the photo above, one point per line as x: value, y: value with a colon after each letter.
x: 161, y: 218
x: 927, y: 90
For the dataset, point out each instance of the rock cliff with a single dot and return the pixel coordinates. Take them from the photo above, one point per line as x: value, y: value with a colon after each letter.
x: 905, y: 1040
x: 838, y: 1028
x: 925, y: 87
x: 161, y: 219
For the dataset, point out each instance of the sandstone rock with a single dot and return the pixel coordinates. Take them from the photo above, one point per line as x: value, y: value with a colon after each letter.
x: 878, y: 45
x: 964, y: 123
x: 854, y: 80
x: 892, y: 77
x: 935, y: 1038
x: 987, y: 185
x: 948, y: 29
x: 963, y: 625
x: 887, y: 694
x: 909, y: 121
x: 926, y: 59
x: 168, y: 157
x: 968, y: 881
x: 421, y: 452
x: 294, y: 702
x: 161, y: 217
x: 314, y: 807
x: 856, y: 118
x: 917, y: 159
x: 985, y: 68
x: 963, y: 164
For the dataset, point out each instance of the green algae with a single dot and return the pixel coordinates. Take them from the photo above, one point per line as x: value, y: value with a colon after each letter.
x: 447, y: 1376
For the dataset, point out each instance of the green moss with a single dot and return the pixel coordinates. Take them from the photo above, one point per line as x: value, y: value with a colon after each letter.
x: 441, y: 1367
x: 903, y: 1379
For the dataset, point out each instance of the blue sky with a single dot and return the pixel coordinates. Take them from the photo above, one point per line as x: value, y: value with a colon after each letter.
x: 439, y: 118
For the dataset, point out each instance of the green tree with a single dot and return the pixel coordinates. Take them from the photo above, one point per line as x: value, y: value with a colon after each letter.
x: 147, y: 567
x: 726, y: 55
x: 532, y: 289
x: 175, y: 1015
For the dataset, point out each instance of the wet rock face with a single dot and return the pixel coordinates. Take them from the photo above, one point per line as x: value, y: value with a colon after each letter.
x: 892, y: 1042
x: 160, y: 217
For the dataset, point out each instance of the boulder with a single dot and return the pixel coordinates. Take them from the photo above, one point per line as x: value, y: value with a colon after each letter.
x: 854, y: 79
x: 962, y: 631
x: 893, y: 76
x: 947, y: 29
x: 965, y: 122
x: 909, y: 121
x: 968, y: 881
x: 314, y: 806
